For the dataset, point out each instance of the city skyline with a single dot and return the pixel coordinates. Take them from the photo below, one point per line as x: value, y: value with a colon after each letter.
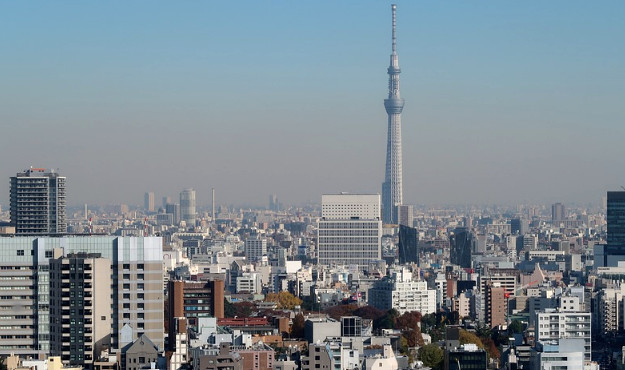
x: 508, y: 103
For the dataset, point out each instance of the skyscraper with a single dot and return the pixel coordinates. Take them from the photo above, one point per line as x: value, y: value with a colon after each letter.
x: 408, y: 245
x: 149, y: 201
x: 38, y: 202
x: 462, y: 242
x: 392, y: 186
x: 187, y: 207
x: 616, y: 222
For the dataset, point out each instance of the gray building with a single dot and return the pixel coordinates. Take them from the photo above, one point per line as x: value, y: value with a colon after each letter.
x: 136, y: 285
x: 38, y: 202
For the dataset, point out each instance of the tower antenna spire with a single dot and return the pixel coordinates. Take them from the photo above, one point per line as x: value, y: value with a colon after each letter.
x: 394, y: 7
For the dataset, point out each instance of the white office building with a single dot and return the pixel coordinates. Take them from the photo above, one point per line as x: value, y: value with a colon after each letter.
x: 350, y: 229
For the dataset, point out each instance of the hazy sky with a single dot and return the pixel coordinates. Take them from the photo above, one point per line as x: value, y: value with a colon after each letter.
x: 506, y: 102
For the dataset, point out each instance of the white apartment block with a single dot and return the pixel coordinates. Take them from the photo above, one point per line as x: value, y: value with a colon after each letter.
x: 403, y: 294
x: 553, y: 325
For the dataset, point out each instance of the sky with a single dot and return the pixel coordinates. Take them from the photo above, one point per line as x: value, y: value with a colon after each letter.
x: 506, y: 102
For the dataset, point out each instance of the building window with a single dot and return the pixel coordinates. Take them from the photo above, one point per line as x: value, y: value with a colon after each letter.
x: 20, y: 252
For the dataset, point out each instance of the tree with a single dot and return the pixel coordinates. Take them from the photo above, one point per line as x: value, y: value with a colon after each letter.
x: 243, y: 309
x: 336, y: 312
x: 284, y: 300
x: 297, y: 329
x: 516, y: 326
x: 469, y: 337
x: 369, y: 312
x: 428, y: 322
x: 432, y: 356
x: 229, y: 310
x: 408, y: 323
x: 387, y: 321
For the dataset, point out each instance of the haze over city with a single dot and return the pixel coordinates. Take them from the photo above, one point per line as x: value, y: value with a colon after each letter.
x: 505, y: 102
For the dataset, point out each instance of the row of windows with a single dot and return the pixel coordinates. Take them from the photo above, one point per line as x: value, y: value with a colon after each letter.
x: 348, y: 225
x: 349, y: 232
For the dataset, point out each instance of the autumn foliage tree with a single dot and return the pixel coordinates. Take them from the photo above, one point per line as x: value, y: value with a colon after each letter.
x: 336, y: 312
x: 408, y: 323
x: 284, y: 300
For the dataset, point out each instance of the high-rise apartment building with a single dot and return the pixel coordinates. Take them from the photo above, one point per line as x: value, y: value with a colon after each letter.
x: 495, y: 304
x: 187, y: 207
x: 350, y: 229
x: 394, y: 104
x: 148, y: 201
x: 38, y: 202
x: 255, y: 248
x: 28, y: 304
x: 80, y: 307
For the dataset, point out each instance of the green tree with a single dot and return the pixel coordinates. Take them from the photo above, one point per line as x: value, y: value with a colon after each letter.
x: 229, y: 310
x: 516, y: 326
x: 432, y: 356
x: 387, y: 321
